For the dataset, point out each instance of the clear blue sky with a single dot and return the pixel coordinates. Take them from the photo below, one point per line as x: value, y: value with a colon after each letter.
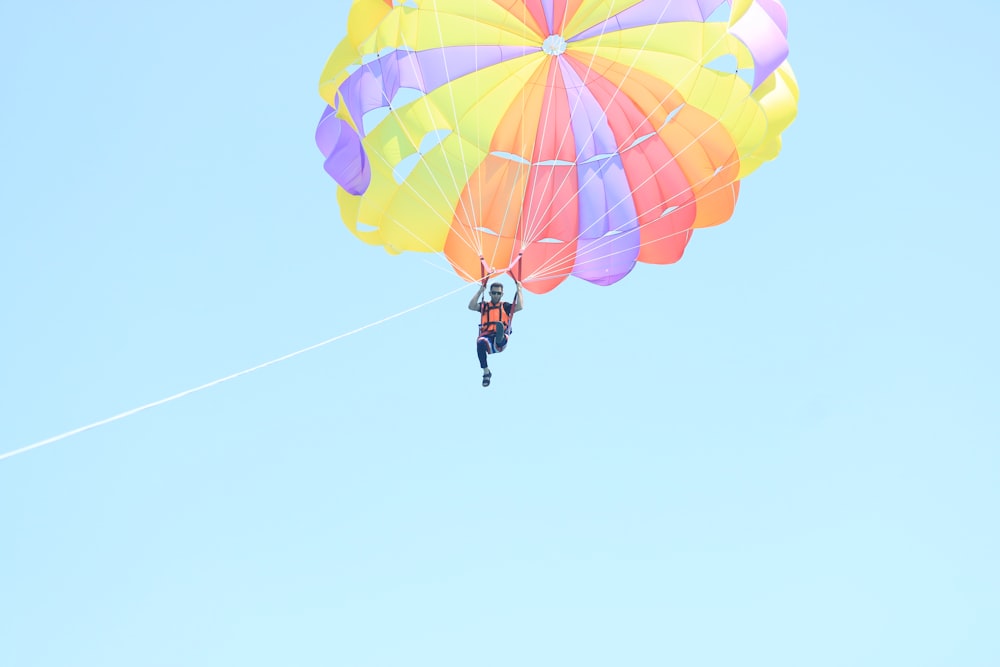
x: 782, y: 451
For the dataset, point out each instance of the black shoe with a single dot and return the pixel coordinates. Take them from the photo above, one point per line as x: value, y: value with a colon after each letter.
x: 499, y: 337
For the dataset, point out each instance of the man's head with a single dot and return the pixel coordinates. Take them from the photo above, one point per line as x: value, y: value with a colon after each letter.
x: 496, y: 292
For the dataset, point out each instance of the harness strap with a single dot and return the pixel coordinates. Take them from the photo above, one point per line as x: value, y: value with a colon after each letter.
x: 513, y: 302
x: 483, y: 275
x: 482, y: 299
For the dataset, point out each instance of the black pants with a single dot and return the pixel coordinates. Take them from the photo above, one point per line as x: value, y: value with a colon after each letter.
x: 487, y: 344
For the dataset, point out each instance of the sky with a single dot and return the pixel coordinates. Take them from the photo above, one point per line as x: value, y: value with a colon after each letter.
x: 780, y: 451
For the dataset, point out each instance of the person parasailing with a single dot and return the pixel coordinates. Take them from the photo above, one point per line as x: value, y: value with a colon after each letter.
x: 495, y: 317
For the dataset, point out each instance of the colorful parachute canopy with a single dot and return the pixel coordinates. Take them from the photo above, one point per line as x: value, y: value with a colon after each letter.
x: 551, y: 138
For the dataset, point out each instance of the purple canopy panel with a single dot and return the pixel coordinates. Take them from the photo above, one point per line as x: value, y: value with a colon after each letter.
x: 346, y: 161
x: 591, y: 133
x: 777, y: 14
x: 608, y: 259
x: 375, y: 84
x: 651, y: 12
x: 763, y: 29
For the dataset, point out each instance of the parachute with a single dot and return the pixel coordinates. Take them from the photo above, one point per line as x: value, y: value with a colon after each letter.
x: 551, y: 137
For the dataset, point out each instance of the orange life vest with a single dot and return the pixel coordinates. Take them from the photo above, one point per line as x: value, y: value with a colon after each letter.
x: 490, y: 314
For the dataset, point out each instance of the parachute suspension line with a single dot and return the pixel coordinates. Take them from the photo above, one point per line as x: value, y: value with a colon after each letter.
x: 513, y: 302
x: 469, y: 242
x: 516, y: 198
x: 473, y: 240
x: 428, y: 206
x: 539, y: 138
x: 534, y: 218
x: 479, y: 175
x: 405, y: 228
x: 207, y: 385
x: 560, y: 256
x: 691, y: 71
x: 545, y: 275
x: 540, y: 271
x: 485, y: 278
x: 475, y: 243
x: 590, y: 68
